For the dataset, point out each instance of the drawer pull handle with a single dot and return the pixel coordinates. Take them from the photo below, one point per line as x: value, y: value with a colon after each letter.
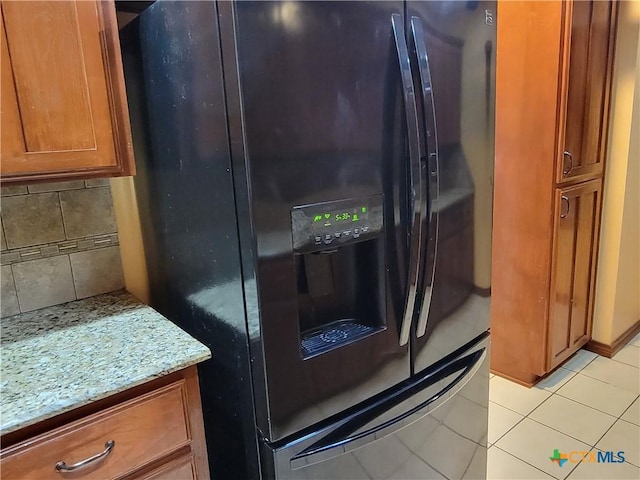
x: 108, y: 446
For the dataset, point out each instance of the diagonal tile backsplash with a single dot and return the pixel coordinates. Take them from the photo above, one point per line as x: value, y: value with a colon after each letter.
x: 59, y: 243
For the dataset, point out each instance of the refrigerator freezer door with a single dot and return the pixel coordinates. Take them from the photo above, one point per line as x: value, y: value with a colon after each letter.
x: 453, y: 45
x: 185, y: 197
x: 409, y: 433
x: 323, y: 125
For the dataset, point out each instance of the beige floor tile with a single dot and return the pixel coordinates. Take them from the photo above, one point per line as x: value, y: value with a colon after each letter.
x: 574, y: 419
x: 614, y: 373
x: 554, y: 381
x: 501, y: 465
x: 630, y: 354
x: 623, y: 436
x: 596, y: 394
x: 534, y: 443
x: 515, y: 397
x: 501, y: 420
x: 605, y: 471
x: 632, y: 415
x: 635, y: 340
x: 580, y: 360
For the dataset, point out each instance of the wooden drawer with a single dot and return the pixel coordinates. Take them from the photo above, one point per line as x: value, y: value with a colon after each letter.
x: 183, y: 468
x: 144, y: 430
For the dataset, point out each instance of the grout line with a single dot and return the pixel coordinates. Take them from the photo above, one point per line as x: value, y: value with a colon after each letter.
x: 524, y: 416
x: 617, y: 419
x: 64, y: 223
x: 565, y: 433
x: 589, y: 363
x: 73, y: 278
x: 624, y: 363
x: 625, y: 411
x: 597, y: 409
x: 514, y: 426
x: 524, y: 461
x: 577, y: 465
x: 15, y: 287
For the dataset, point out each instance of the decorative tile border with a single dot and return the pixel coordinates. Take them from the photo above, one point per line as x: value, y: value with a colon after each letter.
x: 18, y: 255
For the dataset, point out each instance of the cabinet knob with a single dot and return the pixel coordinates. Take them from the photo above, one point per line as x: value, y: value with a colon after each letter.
x: 64, y: 468
x: 566, y: 170
x: 564, y: 208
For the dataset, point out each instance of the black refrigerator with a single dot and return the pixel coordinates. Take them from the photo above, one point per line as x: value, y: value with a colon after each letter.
x: 315, y: 192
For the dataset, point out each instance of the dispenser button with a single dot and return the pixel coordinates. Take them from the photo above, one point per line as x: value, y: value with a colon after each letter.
x: 337, y: 234
x: 328, y: 237
x: 327, y: 241
x: 365, y: 229
x: 318, y: 240
x: 346, y: 233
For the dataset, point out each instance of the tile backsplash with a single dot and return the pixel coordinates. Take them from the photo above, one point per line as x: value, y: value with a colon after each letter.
x: 59, y: 243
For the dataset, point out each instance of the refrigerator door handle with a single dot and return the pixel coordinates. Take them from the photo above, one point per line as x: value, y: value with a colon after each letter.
x: 344, y: 439
x: 429, y: 111
x: 415, y: 170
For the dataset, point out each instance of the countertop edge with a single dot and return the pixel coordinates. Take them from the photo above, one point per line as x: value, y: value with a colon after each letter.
x: 8, y: 428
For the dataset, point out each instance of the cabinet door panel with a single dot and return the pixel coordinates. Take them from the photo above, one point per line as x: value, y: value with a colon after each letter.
x: 565, y: 258
x: 57, y: 93
x: 576, y: 230
x: 589, y: 75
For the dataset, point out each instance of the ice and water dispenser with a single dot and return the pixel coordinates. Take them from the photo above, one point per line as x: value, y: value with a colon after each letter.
x: 340, y: 269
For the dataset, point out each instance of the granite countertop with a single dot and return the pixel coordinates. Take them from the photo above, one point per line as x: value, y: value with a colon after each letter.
x: 59, y: 358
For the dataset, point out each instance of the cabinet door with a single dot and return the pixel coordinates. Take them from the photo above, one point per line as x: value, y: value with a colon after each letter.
x: 590, y: 43
x: 58, y: 94
x: 575, y: 253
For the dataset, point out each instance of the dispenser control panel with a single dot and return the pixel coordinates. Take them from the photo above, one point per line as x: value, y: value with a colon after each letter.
x: 332, y: 224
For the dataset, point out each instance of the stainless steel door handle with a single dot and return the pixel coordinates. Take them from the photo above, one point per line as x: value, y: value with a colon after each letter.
x: 62, y: 467
x: 416, y: 176
x: 564, y: 212
x: 567, y: 155
x: 429, y: 115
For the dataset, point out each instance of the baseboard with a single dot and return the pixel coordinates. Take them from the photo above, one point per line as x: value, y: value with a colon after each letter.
x: 610, y: 350
x: 601, y: 349
x: 482, y: 292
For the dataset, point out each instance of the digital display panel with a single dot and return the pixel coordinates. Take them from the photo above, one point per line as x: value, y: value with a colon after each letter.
x: 327, y: 218
x: 335, y: 223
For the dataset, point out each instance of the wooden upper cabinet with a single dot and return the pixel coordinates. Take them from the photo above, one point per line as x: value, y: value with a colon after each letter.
x: 63, y: 108
x: 576, y: 230
x: 589, y: 46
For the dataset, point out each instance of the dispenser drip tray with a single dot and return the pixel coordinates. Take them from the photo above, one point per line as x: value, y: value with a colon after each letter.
x: 332, y: 336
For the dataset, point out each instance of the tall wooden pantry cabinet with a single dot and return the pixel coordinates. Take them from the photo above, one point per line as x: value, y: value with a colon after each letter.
x: 554, y: 66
